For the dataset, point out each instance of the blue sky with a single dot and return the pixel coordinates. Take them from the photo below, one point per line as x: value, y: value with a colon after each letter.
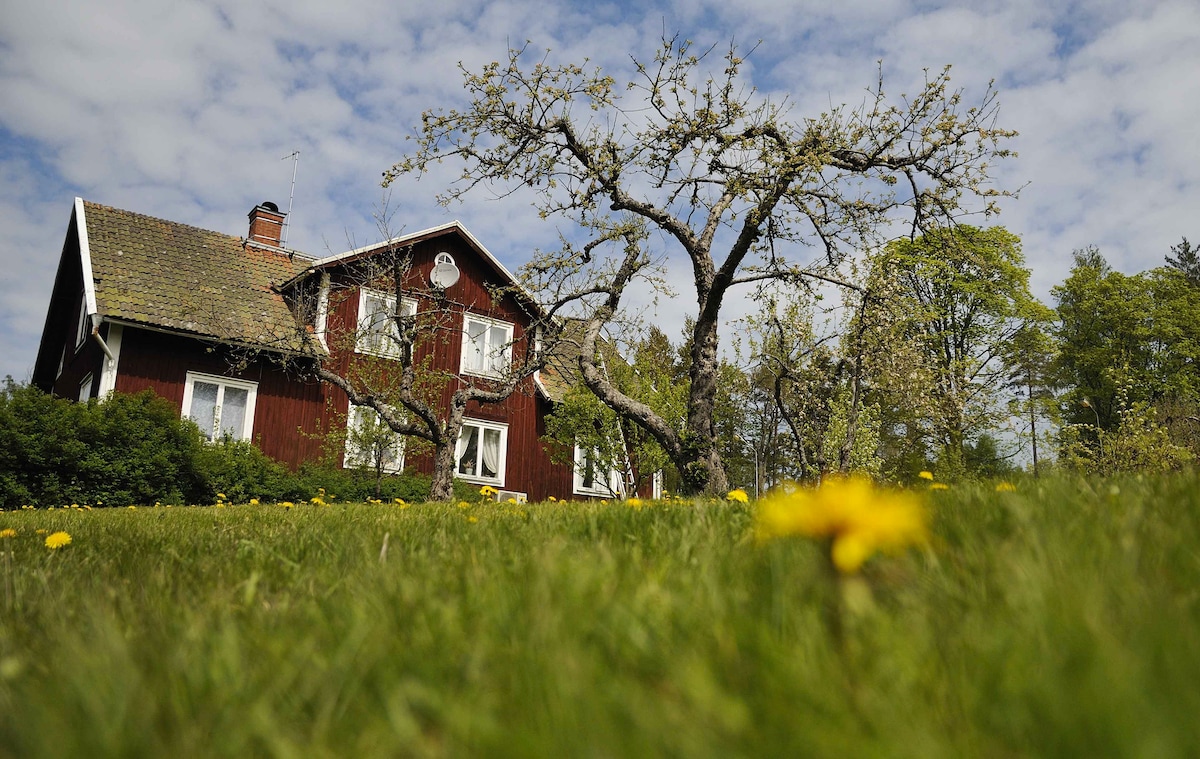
x: 185, y: 110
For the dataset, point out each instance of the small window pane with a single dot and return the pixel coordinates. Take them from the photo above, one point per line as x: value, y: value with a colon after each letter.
x: 470, y: 451
x: 204, y: 407
x: 233, y: 412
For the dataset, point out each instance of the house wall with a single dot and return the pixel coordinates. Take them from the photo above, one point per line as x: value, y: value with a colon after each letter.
x: 529, y: 468
x: 289, y: 411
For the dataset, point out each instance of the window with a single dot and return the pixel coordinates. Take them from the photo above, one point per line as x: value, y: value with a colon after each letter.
x: 487, y: 346
x: 370, y: 442
x: 481, y: 452
x: 377, y: 330
x: 222, y: 407
x: 82, y: 328
x: 590, y: 479
x: 85, y: 389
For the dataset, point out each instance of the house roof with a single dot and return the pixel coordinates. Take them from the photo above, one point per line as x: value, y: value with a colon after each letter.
x: 173, y: 276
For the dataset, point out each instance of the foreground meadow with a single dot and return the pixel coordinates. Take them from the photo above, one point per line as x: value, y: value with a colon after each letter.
x: 1062, y: 619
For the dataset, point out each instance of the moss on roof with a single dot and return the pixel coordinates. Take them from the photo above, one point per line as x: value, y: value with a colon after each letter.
x: 177, y: 277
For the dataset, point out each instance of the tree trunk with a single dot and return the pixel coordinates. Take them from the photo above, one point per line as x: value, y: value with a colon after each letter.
x: 442, y: 486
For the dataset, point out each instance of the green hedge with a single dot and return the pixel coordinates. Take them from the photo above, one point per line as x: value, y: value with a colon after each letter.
x: 136, y: 450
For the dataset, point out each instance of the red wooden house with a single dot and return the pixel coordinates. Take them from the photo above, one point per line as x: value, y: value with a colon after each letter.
x: 222, y: 326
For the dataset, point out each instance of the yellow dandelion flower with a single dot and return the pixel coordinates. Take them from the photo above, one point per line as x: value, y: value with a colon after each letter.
x: 939, y: 486
x: 487, y: 491
x: 464, y: 505
x: 925, y: 474
x: 58, y: 540
x: 1005, y: 487
x: 857, y: 517
x: 133, y: 508
x: 511, y: 500
x: 8, y: 532
x: 253, y: 501
x: 316, y: 500
x: 221, y: 496
x: 603, y: 502
x: 552, y: 499
x: 634, y: 502
x: 737, y: 496
x: 287, y: 504
x: 41, y: 532
x: 398, y: 501
x: 472, y: 519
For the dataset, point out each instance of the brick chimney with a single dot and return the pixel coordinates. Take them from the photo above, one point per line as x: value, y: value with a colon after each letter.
x: 266, y: 223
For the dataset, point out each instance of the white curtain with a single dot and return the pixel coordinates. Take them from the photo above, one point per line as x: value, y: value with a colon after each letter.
x: 233, y: 412
x: 491, y: 453
x: 204, y: 407
x: 468, y: 443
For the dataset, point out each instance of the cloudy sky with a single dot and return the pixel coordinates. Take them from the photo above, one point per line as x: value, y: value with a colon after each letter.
x: 185, y: 110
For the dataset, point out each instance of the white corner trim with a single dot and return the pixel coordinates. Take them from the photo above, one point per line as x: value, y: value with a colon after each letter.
x: 85, y: 258
x: 108, y: 369
x: 322, y: 319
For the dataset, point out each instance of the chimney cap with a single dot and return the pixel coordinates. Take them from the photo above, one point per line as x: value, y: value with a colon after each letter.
x: 269, y: 206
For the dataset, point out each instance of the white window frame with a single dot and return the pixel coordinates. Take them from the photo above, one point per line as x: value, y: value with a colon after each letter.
x: 613, y: 488
x: 222, y: 383
x: 85, y: 388
x: 470, y: 350
x: 385, y: 345
x: 502, y: 464
x: 356, y: 458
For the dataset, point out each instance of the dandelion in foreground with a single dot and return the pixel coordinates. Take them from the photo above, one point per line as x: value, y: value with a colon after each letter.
x: 8, y: 532
x: 925, y: 474
x: 56, y: 540
x: 857, y: 518
x: 737, y: 496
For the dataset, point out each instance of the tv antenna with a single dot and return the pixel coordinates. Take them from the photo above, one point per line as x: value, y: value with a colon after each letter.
x: 287, y: 220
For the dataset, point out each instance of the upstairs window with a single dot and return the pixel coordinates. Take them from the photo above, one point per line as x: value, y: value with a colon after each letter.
x: 370, y: 442
x: 83, y: 328
x: 220, y: 406
x: 378, y: 334
x: 487, y: 346
x: 591, y: 477
x: 482, y: 452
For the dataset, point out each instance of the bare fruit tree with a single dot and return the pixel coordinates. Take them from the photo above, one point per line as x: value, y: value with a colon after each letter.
x: 688, y: 153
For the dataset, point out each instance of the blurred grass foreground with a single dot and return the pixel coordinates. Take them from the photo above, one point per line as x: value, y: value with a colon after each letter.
x: 1053, y: 618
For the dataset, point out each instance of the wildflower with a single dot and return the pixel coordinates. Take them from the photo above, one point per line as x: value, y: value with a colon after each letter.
x: 603, y: 502
x: 552, y: 499
x: 287, y: 504
x: 464, y: 505
x: 8, y: 532
x: 737, y: 496
x: 925, y: 474
x: 487, y: 491
x: 132, y: 508
x: 939, y: 486
x: 253, y: 501
x: 57, y: 540
x: 398, y: 501
x: 41, y: 532
x: 634, y: 502
x: 317, y: 500
x: 220, y: 496
x: 472, y: 519
x: 1005, y: 487
x: 511, y: 500
x: 858, y: 518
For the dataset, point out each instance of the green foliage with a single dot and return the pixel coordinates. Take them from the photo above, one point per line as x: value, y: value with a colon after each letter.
x: 1137, y: 444
x: 1056, y: 620
x: 130, y: 449
x: 864, y: 453
x: 958, y: 295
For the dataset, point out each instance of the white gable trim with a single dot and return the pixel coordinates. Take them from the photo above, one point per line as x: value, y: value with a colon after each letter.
x: 85, y: 260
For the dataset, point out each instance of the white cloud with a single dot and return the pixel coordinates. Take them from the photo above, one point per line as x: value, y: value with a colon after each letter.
x: 185, y: 110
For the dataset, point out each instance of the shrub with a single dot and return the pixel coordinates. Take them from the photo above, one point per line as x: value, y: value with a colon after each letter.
x: 130, y: 449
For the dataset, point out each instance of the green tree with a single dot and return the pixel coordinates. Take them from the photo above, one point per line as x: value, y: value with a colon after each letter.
x: 1104, y: 339
x: 1186, y: 260
x: 718, y: 173
x: 1030, y: 357
x: 964, y: 291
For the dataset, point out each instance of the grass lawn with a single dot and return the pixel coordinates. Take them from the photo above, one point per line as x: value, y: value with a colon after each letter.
x: 1062, y: 619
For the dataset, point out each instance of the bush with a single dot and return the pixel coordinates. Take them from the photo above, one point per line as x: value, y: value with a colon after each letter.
x: 130, y: 449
